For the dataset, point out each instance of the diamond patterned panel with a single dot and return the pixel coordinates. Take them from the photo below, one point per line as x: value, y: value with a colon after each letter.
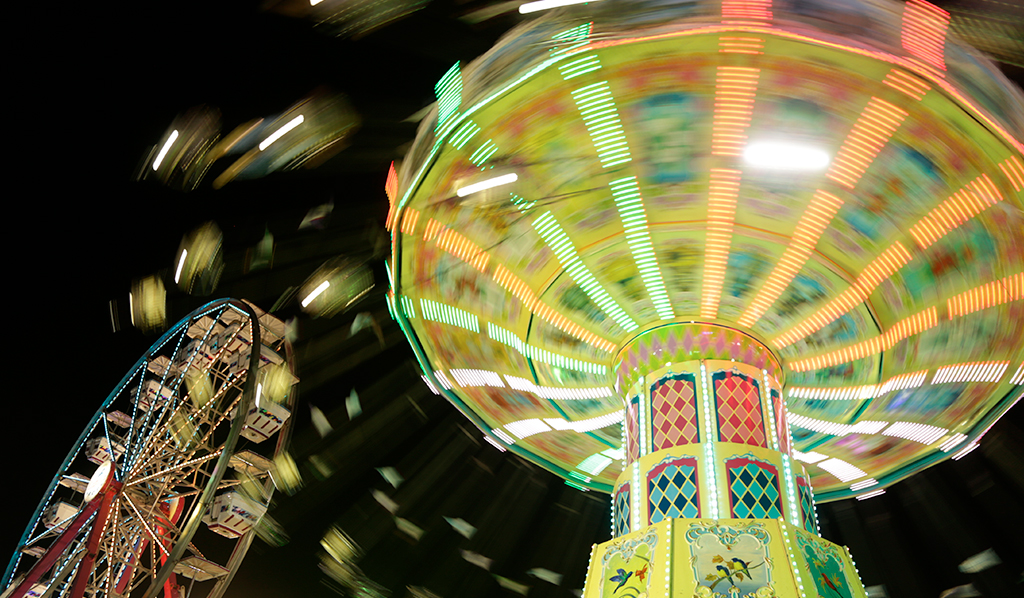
x: 672, y: 489
x: 753, y: 489
x: 621, y: 516
x: 674, y: 411
x: 808, y: 516
x: 632, y: 430
x: 739, y: 409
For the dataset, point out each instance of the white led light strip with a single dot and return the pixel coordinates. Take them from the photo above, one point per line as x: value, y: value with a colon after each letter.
x: 853, y: 393
x: 477, y: 378
x: 922, y: 433
x: 835, y: 428
x: 810, y: 457
x: 558, y: 392
x: 982, y: 371
x: 587, y: 425
x: 841, y: 469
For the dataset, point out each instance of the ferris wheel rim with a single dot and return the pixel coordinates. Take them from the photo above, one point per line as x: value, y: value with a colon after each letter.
x: 209, y: 490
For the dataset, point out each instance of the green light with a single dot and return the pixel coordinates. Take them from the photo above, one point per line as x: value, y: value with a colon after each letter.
x: 521, y: 203
x: 464, y: 134
x: 407, y: 307
x: 446, y: 314
x: 485, y: 151
x: 577, y: 37
x: 580, y: 66
x: 634, y: 220
x: 449, y: 95
x: 597, y: 108
x: 564, y: 250
x: 576, y: 486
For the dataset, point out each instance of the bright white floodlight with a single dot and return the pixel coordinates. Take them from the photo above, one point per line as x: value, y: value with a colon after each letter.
x: 546, y: 4
x: 781, y: 155
x: 278, y: 133
x: 163, y: 150
x: 181, y: 262
x: 316, y: 293
x: 488, y: 184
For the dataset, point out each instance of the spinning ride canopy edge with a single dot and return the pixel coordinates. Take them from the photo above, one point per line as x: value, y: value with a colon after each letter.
x: 888, y: 282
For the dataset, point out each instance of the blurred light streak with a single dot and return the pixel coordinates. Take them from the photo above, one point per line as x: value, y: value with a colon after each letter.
x: 316, y: 293
x: 164, y: 149
x: 974, y: 198
x: 181, y: 262
x: 782, y: 155
x: 997, y: 292
x: 735, y: 91
x: 906, y: 84
x: 540, y: 5
x: 630, y: 204
x: 280, y: 132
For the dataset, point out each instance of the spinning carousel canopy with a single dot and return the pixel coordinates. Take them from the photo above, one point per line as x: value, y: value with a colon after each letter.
x: 842, y: 183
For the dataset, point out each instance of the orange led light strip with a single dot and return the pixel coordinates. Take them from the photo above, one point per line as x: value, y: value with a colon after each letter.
x: 409, y: 219
x: 735, y: 89
x: 432, y: 230
x: 746, y: 12
x: 906, y: 327
x: 963, y: 205
x: 741, y: 45
x: 391, y: 189
x: 517, y: 287
x: 924, y: 31
x: 907, y: 84
x: 815, y: 220
x: 1014, y: 171
x: 997, y: 292
x: 881, y: 268
x: 463, y: 248
x: 724, y: 187
x: 456, y: 244
x: 871, y: 132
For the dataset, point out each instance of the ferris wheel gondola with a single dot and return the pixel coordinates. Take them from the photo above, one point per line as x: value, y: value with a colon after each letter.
x: 175, y: 445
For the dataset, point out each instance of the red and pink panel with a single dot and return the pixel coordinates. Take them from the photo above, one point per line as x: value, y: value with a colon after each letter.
x: 738, y: 403
x: 674, y: 411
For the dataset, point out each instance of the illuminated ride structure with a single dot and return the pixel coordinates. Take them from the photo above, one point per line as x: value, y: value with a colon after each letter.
x: 172, y: 447
x: 707, y: 257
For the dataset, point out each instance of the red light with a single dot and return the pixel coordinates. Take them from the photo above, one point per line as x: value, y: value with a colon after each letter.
x: 924, y: 32
x: 869, y: 135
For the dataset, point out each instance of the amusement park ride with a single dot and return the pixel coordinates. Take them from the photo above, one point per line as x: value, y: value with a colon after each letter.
x: 179, y: 443
x: 701, y: 256
x: 708, y: 257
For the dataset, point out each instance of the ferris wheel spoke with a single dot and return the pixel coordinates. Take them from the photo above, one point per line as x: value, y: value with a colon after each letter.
x: 180, y: 466
x: 154, y: 539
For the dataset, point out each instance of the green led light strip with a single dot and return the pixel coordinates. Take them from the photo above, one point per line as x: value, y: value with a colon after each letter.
x: 565, y: 251
x: 464, y: 134
x: 449, y: 95
x: 509, y: 338
x: 597, y: 108
x: 634, y: 221
x: 521, y: 203
x: 577, y: 37
x: 485, y: 151
x: 408, y: 307
x: 580, y: 66
x: 446, y: 314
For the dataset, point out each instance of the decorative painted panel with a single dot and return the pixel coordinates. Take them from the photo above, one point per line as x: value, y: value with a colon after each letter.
x: 672, y: 489
x: 808, y: 516
x: 632, y: 430
x: 738, y: 404
x: 730, y: 560
x: 825, y: 561
x: 629, y: 565
x: 674, y: 411
x: 753, y: 488
x: 621, y: 514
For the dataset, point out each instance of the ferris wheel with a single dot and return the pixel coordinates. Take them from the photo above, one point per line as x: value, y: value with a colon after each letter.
x: 176, y: 445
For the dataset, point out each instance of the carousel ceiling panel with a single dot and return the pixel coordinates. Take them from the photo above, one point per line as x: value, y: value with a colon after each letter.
x: 889, y: 277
